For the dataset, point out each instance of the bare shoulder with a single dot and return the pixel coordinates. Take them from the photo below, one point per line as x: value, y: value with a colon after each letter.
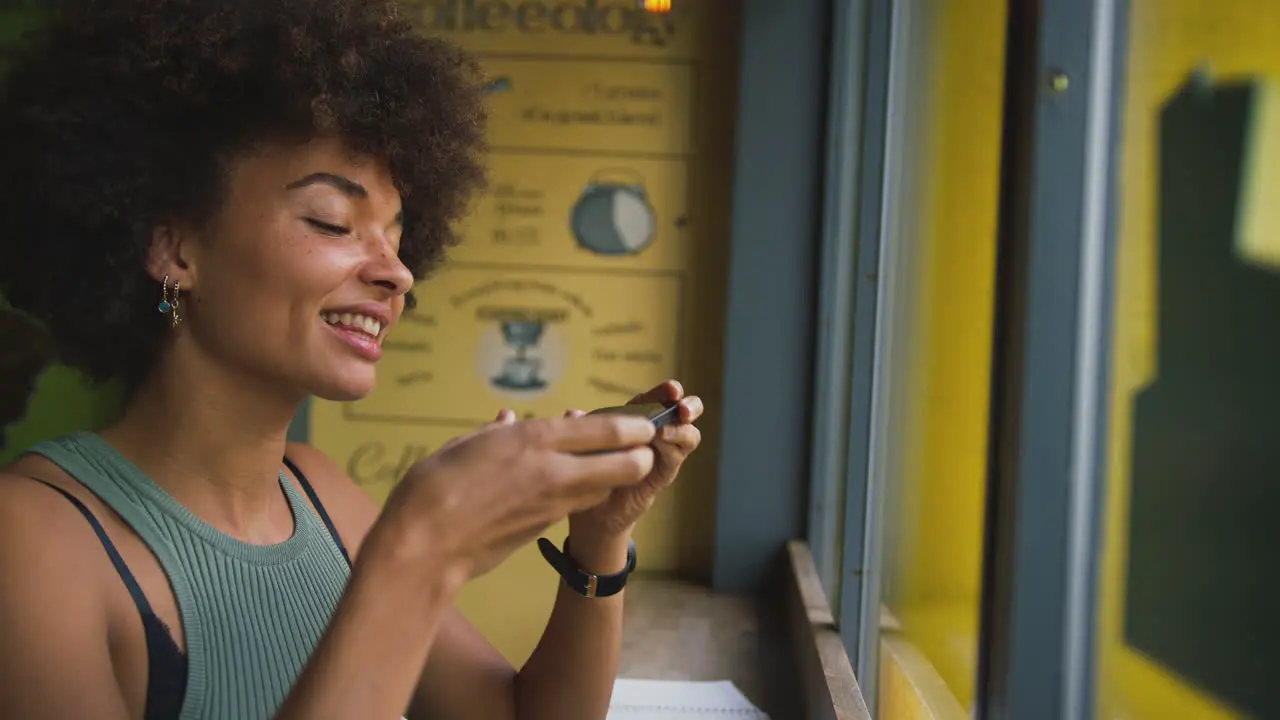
x: 353, y: 512
x: 42, y: 533
x: 40, y: 520
x: 54, y: 611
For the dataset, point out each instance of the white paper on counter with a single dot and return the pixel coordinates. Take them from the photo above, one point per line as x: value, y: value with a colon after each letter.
x: 680, y: 700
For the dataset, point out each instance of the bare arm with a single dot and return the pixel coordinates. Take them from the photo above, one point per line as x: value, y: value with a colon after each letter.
x: 367, y: 663
x: 55, y: 661
x: 568, y: 677
x: 570, y: 674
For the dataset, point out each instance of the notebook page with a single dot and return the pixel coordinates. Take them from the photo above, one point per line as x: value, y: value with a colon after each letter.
x: 680, y: 700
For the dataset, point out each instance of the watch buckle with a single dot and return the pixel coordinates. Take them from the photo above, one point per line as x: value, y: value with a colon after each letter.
x: 593, y: 583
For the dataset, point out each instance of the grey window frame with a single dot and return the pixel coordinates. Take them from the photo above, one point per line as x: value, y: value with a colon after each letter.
x: 1064, y: 98
x: 874, y: 62
x: 860, y: 288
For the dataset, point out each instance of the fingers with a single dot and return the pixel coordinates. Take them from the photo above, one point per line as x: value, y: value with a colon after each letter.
x: 690, y: 409
x: 610, y: 469
x: 505, y: 416
x: 675, y: 443
x: 683, y: 438
x: 590, y: 433
x: 665, y: 393
x: 574, y: 413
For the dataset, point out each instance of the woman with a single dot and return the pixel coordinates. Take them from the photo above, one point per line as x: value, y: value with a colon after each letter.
x: 224, y: 205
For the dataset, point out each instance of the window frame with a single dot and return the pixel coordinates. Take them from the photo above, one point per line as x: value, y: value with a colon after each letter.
x: 876, y: 63
x: 1059, y: 194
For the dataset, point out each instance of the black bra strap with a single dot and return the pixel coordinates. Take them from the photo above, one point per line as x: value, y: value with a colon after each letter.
x: 130, y: 582
x: 315, y: 501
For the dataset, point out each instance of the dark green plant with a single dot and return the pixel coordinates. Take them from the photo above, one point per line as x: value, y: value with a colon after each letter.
x: 16, y: 18
x: 25, y: 351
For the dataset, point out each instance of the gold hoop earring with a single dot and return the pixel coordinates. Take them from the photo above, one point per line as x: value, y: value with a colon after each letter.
x: 177, y: 315
x: 169, y: 303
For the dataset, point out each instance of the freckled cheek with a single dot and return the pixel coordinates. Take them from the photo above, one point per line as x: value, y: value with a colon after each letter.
x: 305, y: 266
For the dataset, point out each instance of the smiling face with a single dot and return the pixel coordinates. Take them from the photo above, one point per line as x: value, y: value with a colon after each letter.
x: 296, y: 281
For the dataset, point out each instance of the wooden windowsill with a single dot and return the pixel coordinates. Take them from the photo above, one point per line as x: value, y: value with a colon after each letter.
x: 675, y: 630
x: 830, y: 690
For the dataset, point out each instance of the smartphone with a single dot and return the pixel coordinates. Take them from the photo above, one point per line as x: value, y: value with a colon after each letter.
x: 658, y: 414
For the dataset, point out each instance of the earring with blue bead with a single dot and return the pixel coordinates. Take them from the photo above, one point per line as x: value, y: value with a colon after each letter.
x: 169, y: 301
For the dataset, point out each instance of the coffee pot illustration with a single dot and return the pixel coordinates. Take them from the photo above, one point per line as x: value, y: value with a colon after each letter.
x: 521, y: 372
x: 613, y: 215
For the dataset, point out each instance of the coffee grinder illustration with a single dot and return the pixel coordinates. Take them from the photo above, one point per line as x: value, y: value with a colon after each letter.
x: 613, y: 215
x: 521, y: 372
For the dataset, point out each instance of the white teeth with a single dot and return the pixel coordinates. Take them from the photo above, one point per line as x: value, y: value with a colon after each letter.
x: 370, y: 325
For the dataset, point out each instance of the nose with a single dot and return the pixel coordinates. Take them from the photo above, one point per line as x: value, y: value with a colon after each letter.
x: 385, y: 269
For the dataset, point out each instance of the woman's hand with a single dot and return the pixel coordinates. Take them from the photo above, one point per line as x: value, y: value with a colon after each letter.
x: 485, y: 494
x: 614, y: 518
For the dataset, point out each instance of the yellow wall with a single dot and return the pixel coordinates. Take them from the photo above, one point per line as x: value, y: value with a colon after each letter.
x: 585, y: 91
x: 1168, y: 39
x: 953, y: 191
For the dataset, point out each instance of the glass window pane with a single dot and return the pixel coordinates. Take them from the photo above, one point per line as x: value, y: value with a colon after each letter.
x: 1186, y: 627
x: 938, y: 338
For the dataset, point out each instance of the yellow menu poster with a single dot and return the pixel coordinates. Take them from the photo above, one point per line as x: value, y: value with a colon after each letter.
x: 492, y: 337
x: 592, y: 269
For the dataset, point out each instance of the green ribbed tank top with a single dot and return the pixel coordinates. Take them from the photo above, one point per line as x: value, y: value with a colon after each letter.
x: 251, y: 614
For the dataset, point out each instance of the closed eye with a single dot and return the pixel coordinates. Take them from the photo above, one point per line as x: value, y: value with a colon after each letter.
x: 328, y: 228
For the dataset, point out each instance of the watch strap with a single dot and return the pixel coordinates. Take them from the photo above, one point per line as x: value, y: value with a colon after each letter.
x: 580, y: 581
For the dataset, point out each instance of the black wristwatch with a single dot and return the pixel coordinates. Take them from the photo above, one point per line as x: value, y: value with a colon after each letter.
x: 581, y: 581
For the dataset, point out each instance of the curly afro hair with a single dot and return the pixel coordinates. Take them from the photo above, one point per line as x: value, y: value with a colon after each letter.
x: 120, y: 114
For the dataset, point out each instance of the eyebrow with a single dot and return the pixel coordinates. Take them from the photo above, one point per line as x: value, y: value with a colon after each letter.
x: 344, y: 185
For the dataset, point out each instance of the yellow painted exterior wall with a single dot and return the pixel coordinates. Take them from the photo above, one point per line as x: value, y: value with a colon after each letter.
x: 1168, y: 39
x: 584, y: 94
